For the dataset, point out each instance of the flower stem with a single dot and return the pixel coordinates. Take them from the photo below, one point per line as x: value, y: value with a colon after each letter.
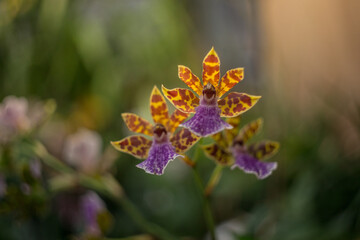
x: 138, y: 218
x: 206, y: 205
x: 214, y: 179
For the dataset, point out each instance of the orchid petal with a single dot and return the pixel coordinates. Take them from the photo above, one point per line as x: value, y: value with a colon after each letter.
x: 137, y: 124
x: 158, y: 107
x: 218, y: 154
x: 231, y: 133
x: 230, y: 79
x: 183, y: 140
x: 249, y: 130
x: 252, y: 165
x: 235, y: 104
x: 211, y: 68
x: 176, y: 118
x: 182, y: 99
x: 206, y: 121
x: 190, y: 79
x: 264, y: 150
x: 138, y: 146
x: 159, y: 156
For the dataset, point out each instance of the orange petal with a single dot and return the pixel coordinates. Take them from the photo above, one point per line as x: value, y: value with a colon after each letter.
x: 182, y: 99
x: 216, y: 153
x: 249, y: 130
x: 190, y: 79
x: 177, y: 118
x: 137, y: 124
x: 138, y: 146
x: 230, y: 79
x: 183, y: 140
x: 158, y: 108
x: 211, y: 68
x: 235, y: 104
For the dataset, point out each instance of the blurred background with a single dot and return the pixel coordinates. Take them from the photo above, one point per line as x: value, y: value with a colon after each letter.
x: 98, y: 59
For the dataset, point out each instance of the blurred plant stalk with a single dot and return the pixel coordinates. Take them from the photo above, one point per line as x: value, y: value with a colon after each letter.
x: 104, y: 184
x: 205, y: 192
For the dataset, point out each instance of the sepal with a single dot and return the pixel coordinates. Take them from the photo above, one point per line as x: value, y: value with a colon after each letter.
x: 190, y: 79
x: 235, y: 104
x: 229, y: 80
x: 138, y: 146
x: 137, y: 124
x: 218, y: 154
x: 183, y: 140
x: 182, y: 99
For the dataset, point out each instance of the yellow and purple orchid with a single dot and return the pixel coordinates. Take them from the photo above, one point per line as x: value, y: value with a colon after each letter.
x: 165, y: 145
x: 209, y: 108
x: 231, y: 149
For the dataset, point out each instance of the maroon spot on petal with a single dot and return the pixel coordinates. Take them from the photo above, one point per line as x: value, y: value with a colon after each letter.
x: 135, y: 141
x: 246, y: 99
x: 156, y: 98
x: 239, y: 108
x: 212, y: 59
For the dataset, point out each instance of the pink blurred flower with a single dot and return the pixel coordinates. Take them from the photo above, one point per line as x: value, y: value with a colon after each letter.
x: 13, y: 117
x: 83, y: 150
x: 18, y: 116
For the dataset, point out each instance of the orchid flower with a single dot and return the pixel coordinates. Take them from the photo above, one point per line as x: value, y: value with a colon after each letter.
x: 165, y: 145
x: 209, y: 108
x: 232, y: 149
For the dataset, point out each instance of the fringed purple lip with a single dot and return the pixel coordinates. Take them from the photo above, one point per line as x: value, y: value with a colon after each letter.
x: 206, y: 121
x: 252, y: 165
x: 159, y: 156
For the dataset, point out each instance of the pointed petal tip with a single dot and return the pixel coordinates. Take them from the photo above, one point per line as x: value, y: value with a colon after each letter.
x: 155, y: 89
x: 212, y: 51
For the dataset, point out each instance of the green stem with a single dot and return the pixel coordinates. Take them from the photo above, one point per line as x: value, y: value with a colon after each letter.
x: 138, y: 218
x: 214, y: 179
x: 50, y: 160
x: 206, y: 205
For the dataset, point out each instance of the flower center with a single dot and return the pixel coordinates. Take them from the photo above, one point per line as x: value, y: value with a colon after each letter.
x: 239, y: 145
x: 209, y: 93
x: 160, y: 133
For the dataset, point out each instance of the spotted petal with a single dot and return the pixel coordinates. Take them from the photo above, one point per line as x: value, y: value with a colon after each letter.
x: 182, y: 99
x: 230, y: 79
x: 216, y: 153
x: 235, y: 104
x: 190, y: 79
x: 220, y: 140
x: 138, y: 146
x: 159, y: 156
x: 206, y: 121
x: 264, y: 149
x: 176, y: 118
x: 137, y: 124
x: 231, y: 133
x: 183, y: 140
x: 211, y: 68
x: 249, y: 164
x: 158, y: 107
x: 249, y: 130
